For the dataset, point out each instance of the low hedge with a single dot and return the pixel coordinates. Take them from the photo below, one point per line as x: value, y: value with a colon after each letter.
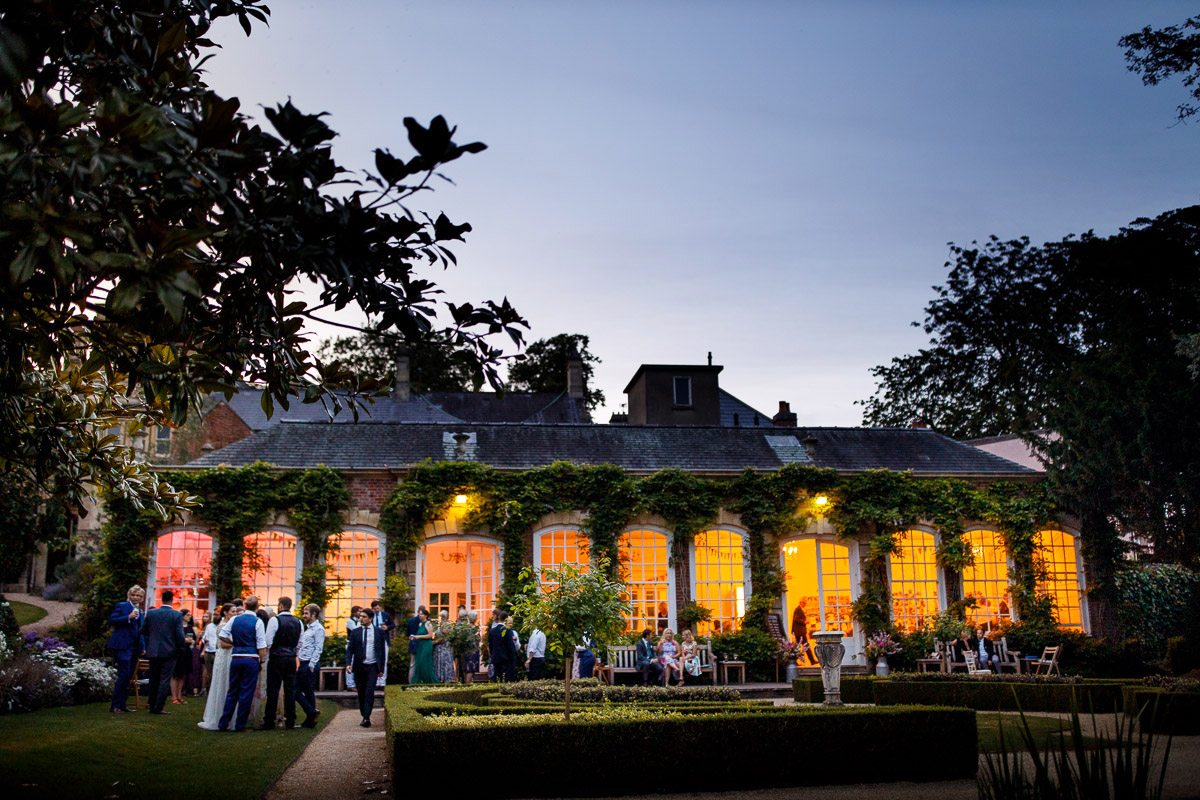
x: 1162, y: 711
x: 855, y: 689
x: 554, y: 691
x: 1097, y: 696
x: 717, y: 752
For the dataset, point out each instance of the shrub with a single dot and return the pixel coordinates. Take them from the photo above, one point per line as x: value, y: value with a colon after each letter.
x: 28, y: 684
x: 1163, y: 711
x: 999, y: 694
x: 73, y: 579
x: 943, y: 677
x: 751, y: 645
x: 8, y: 620
x: 710, y: 752
x: 855, y: 689
x: 553, y: 691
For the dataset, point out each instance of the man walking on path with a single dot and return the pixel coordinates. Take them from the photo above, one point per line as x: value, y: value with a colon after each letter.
x: 162, y: 631
x: 247, y: 637
x: 312, y: 642
x: 283, y: 637
x: 366, y: 650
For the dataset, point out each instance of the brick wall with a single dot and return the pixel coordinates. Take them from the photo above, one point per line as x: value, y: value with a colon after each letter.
x: 369, y: 489
x: 222, y: 427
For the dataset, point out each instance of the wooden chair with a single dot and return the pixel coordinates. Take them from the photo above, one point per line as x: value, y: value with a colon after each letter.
x: 1048, y: 663
x: 142, y: 666
x: 973, y: 667
x: 948, y: 655
x: 1009, y: 659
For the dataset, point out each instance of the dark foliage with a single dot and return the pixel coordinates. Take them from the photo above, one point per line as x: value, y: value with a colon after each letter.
x: 543, y: 368
x: 1000, y: 695
x: 1159, y: 55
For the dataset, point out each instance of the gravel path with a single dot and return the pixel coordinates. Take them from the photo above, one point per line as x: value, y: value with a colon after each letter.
x: 56, y: 612
x: 343, y: 760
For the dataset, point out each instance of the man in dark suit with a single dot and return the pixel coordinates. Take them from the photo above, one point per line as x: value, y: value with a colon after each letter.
x: 366, y: 649
x: 283, y: 639
x: 647, y: 660
x: 984, y: 650
x: 125, y: 643
x: 162, y: 631
x: 502, y: 648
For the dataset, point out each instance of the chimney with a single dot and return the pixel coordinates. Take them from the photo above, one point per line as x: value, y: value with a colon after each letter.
x: 575, y: 385
x: 401, y: 388
x: 785, y: 418
x: 919, y: 423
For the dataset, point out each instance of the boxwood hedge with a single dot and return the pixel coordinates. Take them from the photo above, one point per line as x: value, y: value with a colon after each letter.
x: 709, y: 752
x: 1101, y: 697
x: 855, y: 689
x: 1162, y: 711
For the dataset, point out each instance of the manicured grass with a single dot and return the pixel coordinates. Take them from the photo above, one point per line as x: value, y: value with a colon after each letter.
x: 1044, y: 729
x: 26, y: 613
x: 84, y: 751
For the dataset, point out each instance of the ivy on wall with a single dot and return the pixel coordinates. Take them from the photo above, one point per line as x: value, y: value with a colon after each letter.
x: 235, y: 502
x: 879, y: 504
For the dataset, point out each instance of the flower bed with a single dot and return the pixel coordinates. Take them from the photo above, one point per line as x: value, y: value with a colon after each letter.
x: 553, y: 691
x: 730, y: 750
x: 43, y: 673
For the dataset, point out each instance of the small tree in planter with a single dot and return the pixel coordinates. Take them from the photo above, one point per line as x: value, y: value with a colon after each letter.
x: 568, y: 605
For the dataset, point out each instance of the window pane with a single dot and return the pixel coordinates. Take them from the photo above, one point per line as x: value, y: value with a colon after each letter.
x: 269, y: 566
x: 987, y: 579
x: 719, y: 580
x: 182, y: 562
x: 352, y: 576
x: 1055, y: 558
x: 914, y: 580
x: 648, y: 580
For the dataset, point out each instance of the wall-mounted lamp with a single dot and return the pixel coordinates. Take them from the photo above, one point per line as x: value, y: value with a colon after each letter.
x: 461, y: 499
x: 821, y: 500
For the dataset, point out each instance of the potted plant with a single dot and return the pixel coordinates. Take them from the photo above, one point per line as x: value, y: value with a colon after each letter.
x: 691, y: 615
x: 880, y: 645
x: 787, y: 653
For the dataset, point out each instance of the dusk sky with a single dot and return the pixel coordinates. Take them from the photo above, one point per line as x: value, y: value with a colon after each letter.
x: 775, y: 182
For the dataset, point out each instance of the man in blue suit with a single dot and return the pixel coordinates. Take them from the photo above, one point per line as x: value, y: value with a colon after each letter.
x: 125, y: 644
x: 366, y: 649
x: 163, y: 633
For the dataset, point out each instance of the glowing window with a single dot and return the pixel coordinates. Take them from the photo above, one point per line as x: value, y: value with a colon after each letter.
x: 643, y: 560
x: 720, y: 580
x: 556, y: 548
x: 459, y: 573
x: 1059, y: 575
x: 269, y: 567
x: 819, y: 596
x: 182, y: 563
x: 987, y: 579
x: 914, y: 580
x: 352, y: 576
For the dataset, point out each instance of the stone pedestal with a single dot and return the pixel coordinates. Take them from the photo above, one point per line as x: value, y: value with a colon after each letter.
x: 829, y: 651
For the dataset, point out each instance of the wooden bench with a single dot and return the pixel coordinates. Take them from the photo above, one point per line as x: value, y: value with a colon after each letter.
x: 623, y: 659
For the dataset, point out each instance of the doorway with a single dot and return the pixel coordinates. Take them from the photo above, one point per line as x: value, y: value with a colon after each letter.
x: 459, y: 572
x: 819, y: 591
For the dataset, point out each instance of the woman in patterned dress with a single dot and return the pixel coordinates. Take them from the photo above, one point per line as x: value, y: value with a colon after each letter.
x: 443, y: 655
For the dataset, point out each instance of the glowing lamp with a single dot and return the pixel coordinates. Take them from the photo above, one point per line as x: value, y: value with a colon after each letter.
x: 821, y: 500
x: 461, y: 499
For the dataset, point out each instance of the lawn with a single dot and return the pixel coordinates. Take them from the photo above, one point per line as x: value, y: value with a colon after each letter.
x: 1044, y: 729
x: 26, y: 613
x: 84, y: 751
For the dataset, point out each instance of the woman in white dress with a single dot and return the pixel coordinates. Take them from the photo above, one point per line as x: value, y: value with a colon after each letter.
x: 220, y: 677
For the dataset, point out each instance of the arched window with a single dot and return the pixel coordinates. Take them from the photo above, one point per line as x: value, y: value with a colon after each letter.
x: 352, y: 576
x: 269, y: 566
x: 1058, y: 568
x: 643, y: 558
x: 557, y: 547
x: 914, y: 580
x: 987, y: 579
x: 720, y: 578
x: 182, y: 563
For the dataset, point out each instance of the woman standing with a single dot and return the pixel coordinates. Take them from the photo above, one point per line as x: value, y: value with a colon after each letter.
x: 443, y: 655
x: 690, y: 657
x: 195, y: 679
x: 209, y: 644
x: 219, y: 685
x: 471, y: 659
x: 668, y: 656
x: 183, y: 661
x: 422, y: 655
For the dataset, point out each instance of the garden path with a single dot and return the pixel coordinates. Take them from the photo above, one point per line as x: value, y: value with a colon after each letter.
x: 342, y: 760
x: 56, y: 612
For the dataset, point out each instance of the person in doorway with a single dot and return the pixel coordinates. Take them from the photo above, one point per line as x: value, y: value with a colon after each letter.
x: 800, y: 633
x: 125, y: 644
x: 162, y: 630
x: 535, y: 655
x: 366, y: 649
x: 246, y: 636
x: 283, y: 639
x: 647, y: 659
x: 312, y: 642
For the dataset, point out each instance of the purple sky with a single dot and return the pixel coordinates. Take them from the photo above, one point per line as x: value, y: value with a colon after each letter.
x: 774, y: 182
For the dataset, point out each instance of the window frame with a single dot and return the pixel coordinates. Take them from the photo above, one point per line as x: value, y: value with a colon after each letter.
x: 380, y: 569
x: 1008, y: 566
x: 287, y: 531
x: 671, y: 610
x: 152, y: 587
x: 939, y: 573
x: 675, y: 384
x: 1080, y: 576
x: 746, y: 576
x: 538, y: 564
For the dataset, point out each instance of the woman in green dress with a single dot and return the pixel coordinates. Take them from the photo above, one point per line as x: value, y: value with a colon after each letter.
x: 423, y: 650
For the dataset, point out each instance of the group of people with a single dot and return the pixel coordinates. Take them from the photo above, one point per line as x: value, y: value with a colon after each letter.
x: 431, y: 657
x: 249, y: 658
x: 659, y: 662
x: 974, y: 644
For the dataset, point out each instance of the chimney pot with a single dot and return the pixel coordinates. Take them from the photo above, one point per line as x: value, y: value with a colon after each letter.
x: 576, y: 387
x: 785, y: 418
x: 402, y: 386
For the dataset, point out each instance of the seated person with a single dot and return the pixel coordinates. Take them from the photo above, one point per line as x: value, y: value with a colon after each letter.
x: 960, y: 649
x: 984, y: 650
x: 647, y: 660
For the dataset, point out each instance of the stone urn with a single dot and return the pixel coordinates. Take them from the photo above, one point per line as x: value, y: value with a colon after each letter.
x: 881, y: 666
x: 829, y: 651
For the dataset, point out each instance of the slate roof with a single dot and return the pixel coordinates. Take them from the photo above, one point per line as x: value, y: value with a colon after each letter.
x: 378, y: 445
x: 439, y: 407
x: 747, y: 415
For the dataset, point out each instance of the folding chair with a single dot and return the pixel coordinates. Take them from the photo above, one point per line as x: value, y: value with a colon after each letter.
x: 1048, y: 663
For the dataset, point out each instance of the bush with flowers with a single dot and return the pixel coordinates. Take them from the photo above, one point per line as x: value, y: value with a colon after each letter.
x: 879, y: 644
x: 43, y: 673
